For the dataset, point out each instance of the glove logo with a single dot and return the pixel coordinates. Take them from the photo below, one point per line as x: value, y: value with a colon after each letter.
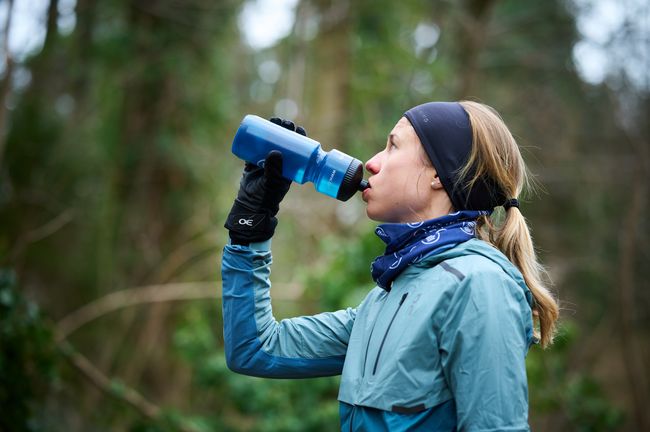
x: 247, y: 222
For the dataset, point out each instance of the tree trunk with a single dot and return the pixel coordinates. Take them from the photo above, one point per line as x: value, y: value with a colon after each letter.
x: 5, y: 85
x: 329, y: 82
x: 473, y: 30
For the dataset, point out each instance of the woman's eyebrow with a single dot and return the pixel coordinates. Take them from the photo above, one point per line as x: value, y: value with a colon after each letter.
x: 392, y: 137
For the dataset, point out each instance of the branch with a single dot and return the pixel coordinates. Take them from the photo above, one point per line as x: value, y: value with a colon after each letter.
x: 109, y: 386
x: 131, y: 297
x: 151, y: 294
x: 42, y: 232
x: 50, y: 227
x: 116, y: 389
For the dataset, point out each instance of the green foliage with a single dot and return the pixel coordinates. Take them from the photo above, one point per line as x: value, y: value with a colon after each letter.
x: 28, y: 359
x: 342, y: 278
x: 240, y: 403
x: 555, y: 389
x: 589, y: 409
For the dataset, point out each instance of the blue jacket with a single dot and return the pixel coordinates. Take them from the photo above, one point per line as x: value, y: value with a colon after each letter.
x: 443, y: 350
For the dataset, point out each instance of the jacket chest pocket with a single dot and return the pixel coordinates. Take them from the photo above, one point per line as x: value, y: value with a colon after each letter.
x: 371, y: 364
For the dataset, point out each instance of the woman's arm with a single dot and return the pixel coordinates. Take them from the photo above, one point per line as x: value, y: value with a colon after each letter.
x: 484, y: 341
x: 256, y: 344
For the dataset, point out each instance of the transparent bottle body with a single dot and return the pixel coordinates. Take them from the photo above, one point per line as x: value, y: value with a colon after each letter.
x: 331, y: 172
x: 303, y: 158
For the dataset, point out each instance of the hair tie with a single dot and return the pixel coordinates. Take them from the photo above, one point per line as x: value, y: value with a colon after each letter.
x: 513, y: 202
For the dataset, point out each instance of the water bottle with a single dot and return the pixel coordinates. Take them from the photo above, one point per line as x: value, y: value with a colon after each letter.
x: 333, y: 173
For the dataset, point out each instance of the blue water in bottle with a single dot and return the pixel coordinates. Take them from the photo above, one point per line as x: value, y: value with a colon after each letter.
x: 333, y: 173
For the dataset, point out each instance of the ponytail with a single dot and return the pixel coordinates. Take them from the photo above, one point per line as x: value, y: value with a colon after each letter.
x: 512, y: 237
x: 496, y: 154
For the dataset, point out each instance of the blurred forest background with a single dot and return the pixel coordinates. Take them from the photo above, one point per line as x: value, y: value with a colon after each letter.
x: 116, y: 119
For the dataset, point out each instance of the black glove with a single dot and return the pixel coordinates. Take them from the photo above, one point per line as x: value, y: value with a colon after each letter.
x: 252, y: 216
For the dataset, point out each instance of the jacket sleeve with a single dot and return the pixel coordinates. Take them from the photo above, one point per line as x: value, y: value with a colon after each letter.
x: 255, y: 343
x: 484, y: 340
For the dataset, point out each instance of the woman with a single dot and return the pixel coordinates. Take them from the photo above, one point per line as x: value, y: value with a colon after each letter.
x: 440, y: 343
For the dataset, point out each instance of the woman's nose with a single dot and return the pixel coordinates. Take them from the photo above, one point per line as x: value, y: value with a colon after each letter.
x: 373, y: 165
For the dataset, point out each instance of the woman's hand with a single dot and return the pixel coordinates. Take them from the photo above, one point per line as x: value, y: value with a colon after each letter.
x: 252, y: 216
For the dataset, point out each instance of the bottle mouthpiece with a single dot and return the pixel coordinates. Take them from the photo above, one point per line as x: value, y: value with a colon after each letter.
x: 363, y: 185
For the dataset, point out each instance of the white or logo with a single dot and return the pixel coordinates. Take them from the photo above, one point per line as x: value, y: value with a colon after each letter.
x: 468, y: 228
x: 247, y: 222
x: 431, y: 239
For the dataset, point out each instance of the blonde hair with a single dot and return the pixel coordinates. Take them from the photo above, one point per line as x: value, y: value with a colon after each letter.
x: 495, y: 154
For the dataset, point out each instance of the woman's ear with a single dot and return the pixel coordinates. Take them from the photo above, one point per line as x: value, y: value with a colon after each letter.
x: 436, y: 183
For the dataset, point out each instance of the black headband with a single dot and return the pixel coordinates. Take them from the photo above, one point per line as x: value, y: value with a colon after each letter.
x: 446, y: 135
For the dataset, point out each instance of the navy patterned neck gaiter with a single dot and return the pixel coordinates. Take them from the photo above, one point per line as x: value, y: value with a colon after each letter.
x: 409, y: 243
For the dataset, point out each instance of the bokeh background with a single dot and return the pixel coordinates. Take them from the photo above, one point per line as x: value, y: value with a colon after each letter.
x: 116, y: 176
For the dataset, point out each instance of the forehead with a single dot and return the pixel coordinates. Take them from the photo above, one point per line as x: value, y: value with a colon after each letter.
x: 403, y: 131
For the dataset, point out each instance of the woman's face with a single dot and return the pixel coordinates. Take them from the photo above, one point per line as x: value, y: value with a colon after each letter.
x: 400, y: 184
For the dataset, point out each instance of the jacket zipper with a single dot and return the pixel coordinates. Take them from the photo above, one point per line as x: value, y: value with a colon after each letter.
x: 372, y: 331
x: 365, y: 358
x: 401, y: 302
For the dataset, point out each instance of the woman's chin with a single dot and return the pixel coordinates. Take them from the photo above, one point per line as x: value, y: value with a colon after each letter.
x: 375, y: 215
x: 370, y: 214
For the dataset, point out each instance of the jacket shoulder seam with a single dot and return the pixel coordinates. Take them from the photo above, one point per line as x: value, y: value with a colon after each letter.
x: 452, y: 270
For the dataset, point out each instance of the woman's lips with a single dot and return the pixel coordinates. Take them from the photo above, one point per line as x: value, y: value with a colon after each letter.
x: 366, y: 193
